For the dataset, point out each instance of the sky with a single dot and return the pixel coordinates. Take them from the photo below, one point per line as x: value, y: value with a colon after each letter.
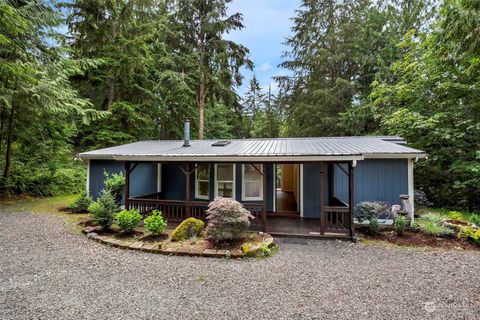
x: 267, y: 24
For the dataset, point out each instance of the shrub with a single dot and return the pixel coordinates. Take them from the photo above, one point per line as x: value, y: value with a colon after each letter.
x: 189, y: 228
x: 455, y: 216
x: 420, y: 199
x: 155, y: 224
x: 227, y: 220
x: 400, y: 225
x: 115, y: 182
x: 103, y: 210
x: 81, y: 203
x: 471, y: 234
x: 474, y: 219
x: 373, y: 226
x: 128, y: 220
x: 367, y: 210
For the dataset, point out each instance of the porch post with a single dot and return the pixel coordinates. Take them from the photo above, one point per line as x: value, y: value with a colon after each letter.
x: 322, y: 209
x: 264, y: 200
x: 187, y: 189
x: 127, y: 184
x: 351, y: 198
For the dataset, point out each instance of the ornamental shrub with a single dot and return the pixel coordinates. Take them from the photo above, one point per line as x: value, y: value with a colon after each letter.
x: 374, y: 226
x: 189, y: 228
x: 399, y: 225
x: 81, y: 203
x: 128, y: 220
x: 227, y: 220
x: 471, y: 234
x: 367, y: 210
x: 431, y: 225
x: 115, y: 182
x: 455, y: 216
x: 155, y: 224
x: 103, y: 210
x: 420, y: 199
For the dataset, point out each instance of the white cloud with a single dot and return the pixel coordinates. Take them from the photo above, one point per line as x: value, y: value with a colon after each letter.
x: 265, y: 66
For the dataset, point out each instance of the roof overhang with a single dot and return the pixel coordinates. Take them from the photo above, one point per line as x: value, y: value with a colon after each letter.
x: 164, y: 158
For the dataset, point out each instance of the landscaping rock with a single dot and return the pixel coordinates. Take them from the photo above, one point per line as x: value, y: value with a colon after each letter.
x: 92, y: 235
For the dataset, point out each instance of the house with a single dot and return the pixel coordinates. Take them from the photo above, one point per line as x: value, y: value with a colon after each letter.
x: 291, y: 185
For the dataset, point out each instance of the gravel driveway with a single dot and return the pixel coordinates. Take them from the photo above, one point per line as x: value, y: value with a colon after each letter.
x: 47, y: 271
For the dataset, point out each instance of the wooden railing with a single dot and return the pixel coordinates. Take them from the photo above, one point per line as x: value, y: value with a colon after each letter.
x: 337, y: 219
x: 176, y: 210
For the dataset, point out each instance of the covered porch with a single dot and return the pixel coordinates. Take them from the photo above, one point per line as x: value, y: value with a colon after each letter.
x: 332, y: 218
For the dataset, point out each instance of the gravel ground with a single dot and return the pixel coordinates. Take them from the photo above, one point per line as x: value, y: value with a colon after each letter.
x: 47, y: 271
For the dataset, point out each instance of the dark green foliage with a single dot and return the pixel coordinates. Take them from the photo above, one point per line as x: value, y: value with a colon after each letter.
x: 128, y: 220
x: 474, y: 219
x: 115, y: 183
x: 399, y: 225
x: 103, y: 210
x: 374, y: 227
x: 82, y: 203
x: 189, y: 228
x: 155, y: 223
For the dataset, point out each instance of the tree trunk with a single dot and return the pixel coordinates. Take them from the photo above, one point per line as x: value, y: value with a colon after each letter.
x: 201, y: 107
x: 111, y: 93
x: 3, y: 113
x: 8, y: 153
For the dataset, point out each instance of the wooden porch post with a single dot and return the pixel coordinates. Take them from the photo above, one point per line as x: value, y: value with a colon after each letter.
x: 187, y: 189
x: 351, y: 198
x: 127, y: 184
x: 322, y: 209
x: 264, y: 209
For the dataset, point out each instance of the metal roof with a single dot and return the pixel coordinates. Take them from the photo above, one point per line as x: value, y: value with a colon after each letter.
x: 250, y: 150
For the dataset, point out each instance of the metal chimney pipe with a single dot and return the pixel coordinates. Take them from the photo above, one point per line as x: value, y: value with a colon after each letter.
x: 186, y: 132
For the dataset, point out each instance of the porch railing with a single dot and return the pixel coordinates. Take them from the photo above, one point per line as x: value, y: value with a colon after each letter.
x: 337, y: 219
x: 175, y: 210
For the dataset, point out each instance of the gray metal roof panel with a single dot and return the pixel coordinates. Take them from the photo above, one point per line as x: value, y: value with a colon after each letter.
x: 289, y: 147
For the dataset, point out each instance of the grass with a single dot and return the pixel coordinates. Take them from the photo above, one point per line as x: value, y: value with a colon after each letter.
x: 386, y: 244
x: 444, y: 213
x: 46, y: 205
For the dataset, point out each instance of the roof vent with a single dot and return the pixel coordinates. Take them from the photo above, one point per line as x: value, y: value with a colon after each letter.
x: 222, y: 143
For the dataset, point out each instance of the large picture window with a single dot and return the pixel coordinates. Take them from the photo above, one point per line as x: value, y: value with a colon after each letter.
x: 202, y: 181
x: 225, y: 180
x: 252, y: 188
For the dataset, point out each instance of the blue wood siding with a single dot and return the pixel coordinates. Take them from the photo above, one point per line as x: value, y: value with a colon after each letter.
x: 375, y: 180
x: 311, y: 189
x: 143, y: 179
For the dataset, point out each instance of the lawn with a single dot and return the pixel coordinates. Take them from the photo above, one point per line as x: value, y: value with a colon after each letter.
x: 46, y: 205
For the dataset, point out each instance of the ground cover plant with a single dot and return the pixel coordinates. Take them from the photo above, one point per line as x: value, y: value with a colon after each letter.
x: 189, y: 228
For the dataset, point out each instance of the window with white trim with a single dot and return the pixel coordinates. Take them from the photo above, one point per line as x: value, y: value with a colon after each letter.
x: 225, y: 180
x: 202, y: 181
x: 252, y: 182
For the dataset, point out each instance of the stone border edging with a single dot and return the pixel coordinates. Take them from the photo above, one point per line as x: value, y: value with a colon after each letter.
x: 154, y: 248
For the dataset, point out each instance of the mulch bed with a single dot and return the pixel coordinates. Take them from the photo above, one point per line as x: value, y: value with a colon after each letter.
x: 419, y: 239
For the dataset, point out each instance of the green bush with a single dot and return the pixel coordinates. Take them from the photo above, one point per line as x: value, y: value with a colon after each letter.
x: 82, y: 203
x: 155, y: 223
x: 189, y: 228
x: 374, y: 226
x: 103, y: 210
x: 399, y: 225
x: 455, y: 216
x: 115, y: 182
x: 227, y: 219
x: 367, y: 210
x: 128, y: 220
x: 471, y: 234
x: 474, y: 219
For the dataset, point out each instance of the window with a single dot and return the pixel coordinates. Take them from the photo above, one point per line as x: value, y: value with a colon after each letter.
x: 225, y: 180
x: 252, y: 188
x: 202, y: 181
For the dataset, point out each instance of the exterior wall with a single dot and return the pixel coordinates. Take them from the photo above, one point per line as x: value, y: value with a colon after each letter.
x: 143, y: 180
x: 375, y: 180
x: 311, y: 189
